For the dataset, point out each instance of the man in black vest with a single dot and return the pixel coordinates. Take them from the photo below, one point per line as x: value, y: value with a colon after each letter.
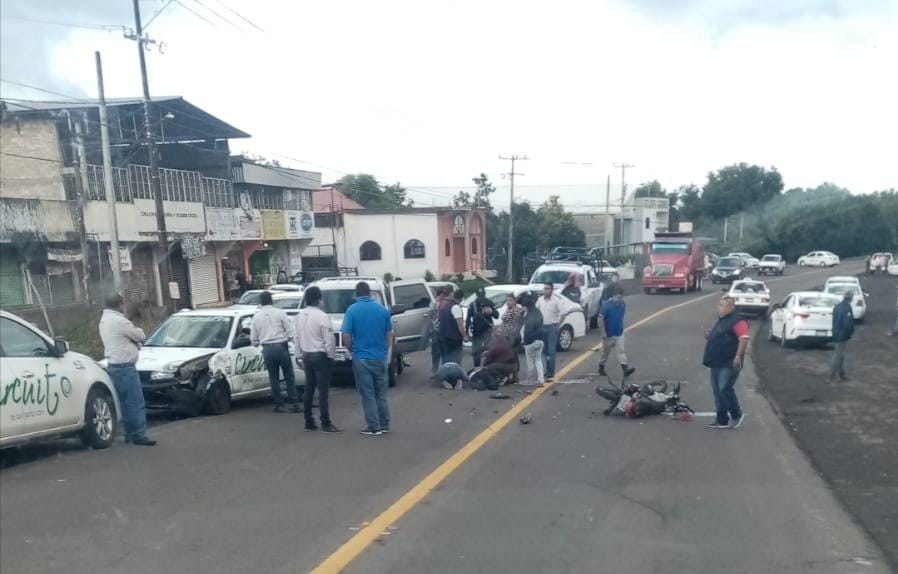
x: 724, y: 353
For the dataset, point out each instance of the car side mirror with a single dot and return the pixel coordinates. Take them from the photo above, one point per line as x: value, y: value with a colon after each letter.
x: 775, y: 306
x: 61, y: 346
x: 241, y: 341
x: 397, y: 309
x: 245, y: 331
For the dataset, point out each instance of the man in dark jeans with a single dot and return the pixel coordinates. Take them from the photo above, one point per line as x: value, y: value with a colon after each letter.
x: 724, y: 353
x: 452, y: 329
x: 313, y: 340
x: 843, y: 330
x: 271, y: 329
x: 436, y: 344
x: 368, y: 335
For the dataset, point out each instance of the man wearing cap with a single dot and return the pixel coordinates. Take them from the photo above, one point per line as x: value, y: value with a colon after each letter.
x: 843, y: 330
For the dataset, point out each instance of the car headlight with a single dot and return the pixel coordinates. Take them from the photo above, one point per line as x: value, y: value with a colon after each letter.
x: 172, y: 366
x: 160, y: 376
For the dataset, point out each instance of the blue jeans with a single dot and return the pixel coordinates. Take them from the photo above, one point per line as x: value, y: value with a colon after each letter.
x: 371, y: 381
x: 277, y: 360
x: 130, y: 395
x: 723, y: 379
x: 550, y: 338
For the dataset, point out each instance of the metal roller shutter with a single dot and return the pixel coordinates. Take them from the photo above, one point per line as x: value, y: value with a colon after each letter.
x: 203, y: 280
x: 11, y: 292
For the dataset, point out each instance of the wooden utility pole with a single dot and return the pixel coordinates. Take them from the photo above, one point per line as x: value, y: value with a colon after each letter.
x: 108, y: 182
x: 155, y: 186
x: 509, y: 275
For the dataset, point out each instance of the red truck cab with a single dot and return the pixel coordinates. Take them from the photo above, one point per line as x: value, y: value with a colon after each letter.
x: 677, y: 262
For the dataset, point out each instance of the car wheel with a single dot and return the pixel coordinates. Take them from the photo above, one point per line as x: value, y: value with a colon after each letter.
x: 823, y: 264
x: 565, y: 338
x: 218, y: 398
x: 801, y: 263
x: 99, y: 419
x: 392, y: 378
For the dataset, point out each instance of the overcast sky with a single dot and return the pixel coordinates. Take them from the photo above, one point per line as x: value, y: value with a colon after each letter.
x: 431, y: 94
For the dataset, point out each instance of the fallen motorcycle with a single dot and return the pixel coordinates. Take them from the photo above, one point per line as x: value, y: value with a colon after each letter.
x: 637, y: 401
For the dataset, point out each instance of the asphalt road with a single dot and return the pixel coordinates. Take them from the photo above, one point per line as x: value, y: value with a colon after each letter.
x: 572, y: 492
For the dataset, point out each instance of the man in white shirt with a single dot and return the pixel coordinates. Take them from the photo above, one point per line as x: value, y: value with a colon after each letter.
x: 313, y: 340
x: 551, y: 309
x: 121, y: 347
x: 271, y: 328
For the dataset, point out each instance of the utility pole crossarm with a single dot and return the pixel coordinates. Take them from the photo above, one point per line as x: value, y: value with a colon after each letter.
x: 509, y: 274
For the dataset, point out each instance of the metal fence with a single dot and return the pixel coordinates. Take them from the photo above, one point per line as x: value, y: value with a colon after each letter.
x: 176, y: 184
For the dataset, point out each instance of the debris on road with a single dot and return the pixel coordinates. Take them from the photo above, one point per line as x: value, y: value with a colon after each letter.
x: 525, y: 420
x: 447, y: 421
x: 499, y: 395
x: 554, y: 392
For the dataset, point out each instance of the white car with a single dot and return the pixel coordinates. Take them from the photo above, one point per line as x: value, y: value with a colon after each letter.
x: 858, y: 297
x: 591, y: 287
x: 772, y: 264
x: 751, y: 296
x: 605, y: 268
x: 573, y: 320
x: 199, y: 361
x: 750, y: 260
x: 48, y: 390
x: 818, y: 259
x: 803, y: 316
x: 850, y: 279
x: 286, y: 287
x: 409, y: 304
x: 289, y: 301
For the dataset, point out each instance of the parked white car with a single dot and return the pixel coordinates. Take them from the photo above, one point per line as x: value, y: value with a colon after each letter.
x: 591, y: 286
x: 409, y: 304
x: 851, y: 279
x: 803, y: 316
x: 573, y: 320
x: 858, y: 297
x: 46, y: 390
x: 289, y: 301
x: 818, y: 259
x: 750, y: 260
x: 772, y: 264
x: 751, y: 296
x: 199, y: 361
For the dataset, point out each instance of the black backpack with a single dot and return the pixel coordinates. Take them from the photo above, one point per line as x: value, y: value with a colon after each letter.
x: 448, y: 324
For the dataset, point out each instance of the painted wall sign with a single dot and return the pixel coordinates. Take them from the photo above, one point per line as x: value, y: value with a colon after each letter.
x: 299, y: 224
x: 180, y: 216
x: 273, y: 224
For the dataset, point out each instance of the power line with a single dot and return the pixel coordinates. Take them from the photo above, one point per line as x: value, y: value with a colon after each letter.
x: 103, y: 27
x: 31, y: 157
x: 220, y: 16
x: 234, y: 12
x: 157, y: 13
x: 195, y: 13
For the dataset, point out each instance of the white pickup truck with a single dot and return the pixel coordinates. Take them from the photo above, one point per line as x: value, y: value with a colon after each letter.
x: 772, y: 264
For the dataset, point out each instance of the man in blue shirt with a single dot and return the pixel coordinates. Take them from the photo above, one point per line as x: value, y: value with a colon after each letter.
x: 368, y: 335
x: 612, y: 315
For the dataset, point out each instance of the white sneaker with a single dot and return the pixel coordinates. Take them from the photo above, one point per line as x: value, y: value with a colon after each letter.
x: 448, y: 386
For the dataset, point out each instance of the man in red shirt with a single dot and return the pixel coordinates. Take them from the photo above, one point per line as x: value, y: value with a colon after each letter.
x: 724, y: 355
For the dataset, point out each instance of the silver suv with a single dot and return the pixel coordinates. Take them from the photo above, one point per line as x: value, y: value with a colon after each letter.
x: 408, y: 302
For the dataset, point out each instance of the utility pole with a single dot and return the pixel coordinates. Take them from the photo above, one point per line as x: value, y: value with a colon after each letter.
x: 741, y: 224
x: 154, y: 163
x: 726, y: 220
x: 623, y: 193
x: 606, y: 227
x: 108, y: 182
x: 509, y: 275
x: 83, y: 186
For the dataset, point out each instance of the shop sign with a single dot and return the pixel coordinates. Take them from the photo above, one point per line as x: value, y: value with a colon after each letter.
x: 180, y: 216
x: 273, y: 224
x: 124, y: 257
x: 299, y: 224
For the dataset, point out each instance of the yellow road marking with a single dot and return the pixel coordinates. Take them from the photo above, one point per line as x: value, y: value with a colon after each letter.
x: 345, y: 554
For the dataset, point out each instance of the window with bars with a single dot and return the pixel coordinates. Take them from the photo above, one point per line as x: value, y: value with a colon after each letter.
x: 267, y: 198
x: 177, y: 185
x: 121, y: 182
x: 219, y: 193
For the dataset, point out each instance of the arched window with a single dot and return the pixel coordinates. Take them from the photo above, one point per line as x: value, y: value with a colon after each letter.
x: 369, y: 251
x: 473, y: 246
x: 448, y: 249
x: 414, y: 249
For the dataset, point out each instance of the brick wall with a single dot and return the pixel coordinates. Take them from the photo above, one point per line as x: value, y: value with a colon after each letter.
x: 27, y: 177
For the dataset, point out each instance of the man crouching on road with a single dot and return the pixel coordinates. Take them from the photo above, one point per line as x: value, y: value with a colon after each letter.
x: 368, y: 335
x: 121, y: 344
x: 724, y: 353
x: 271, y: 328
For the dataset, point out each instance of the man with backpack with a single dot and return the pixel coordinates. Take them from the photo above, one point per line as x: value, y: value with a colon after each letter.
x: 452, y: 328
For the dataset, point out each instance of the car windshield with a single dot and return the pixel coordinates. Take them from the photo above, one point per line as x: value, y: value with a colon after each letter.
x: 771, y: 258
x: 192, y: 331
x: 554, y: 276
x: 250, y: 298
x: 842, y: 288
x: 821, y: 300
x: 750, y: 288
x: 729, y: 262
x: 339, y: 300
x: 288, y: 303
x: 677, y: 248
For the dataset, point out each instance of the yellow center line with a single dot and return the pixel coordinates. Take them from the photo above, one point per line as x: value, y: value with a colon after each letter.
x: 350, y: 549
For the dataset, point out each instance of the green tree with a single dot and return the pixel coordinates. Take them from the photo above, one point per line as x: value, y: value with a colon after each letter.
x: 650, y: 189
x: 737, y: 187
x: 674, y: 210
x: 481, y: 197
x: 556, y: 226
x: 366, y: 190
x: 690, y: 197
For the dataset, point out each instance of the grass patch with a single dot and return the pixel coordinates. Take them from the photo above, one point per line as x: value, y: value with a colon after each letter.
x: 85, y: 338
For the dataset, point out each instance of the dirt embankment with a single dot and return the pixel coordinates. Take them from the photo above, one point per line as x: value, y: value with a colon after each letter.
x: 848, y: 429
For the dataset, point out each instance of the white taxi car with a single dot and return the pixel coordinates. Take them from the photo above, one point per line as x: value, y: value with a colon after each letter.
x: 858, y: 297
x: 47, y: 390
x: 201, y: 360
x: 802, y: 316
x: 752, y: 297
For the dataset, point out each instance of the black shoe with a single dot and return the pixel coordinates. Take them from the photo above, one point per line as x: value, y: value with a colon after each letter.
x: 331, y: 429
x: 602, y: 371
x: 311, y: 427
x: 627, y: 370
x: 371, y: 432
x: 143, y: 441
x: 279, y: 409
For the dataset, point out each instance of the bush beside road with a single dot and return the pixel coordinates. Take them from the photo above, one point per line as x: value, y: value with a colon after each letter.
x: 849, y: 430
